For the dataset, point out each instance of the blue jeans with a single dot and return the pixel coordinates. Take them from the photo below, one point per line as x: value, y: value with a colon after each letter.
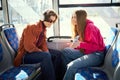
x: 57, y: 62
x: 74, y: 60
x: 46, y: 63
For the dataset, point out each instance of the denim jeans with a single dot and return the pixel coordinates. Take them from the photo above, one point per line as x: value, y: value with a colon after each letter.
x: 74, y: 60
x: 57, y: 63
x: 46, y: 63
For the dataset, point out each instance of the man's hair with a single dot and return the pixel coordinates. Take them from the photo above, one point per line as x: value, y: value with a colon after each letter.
x: 49, y: 13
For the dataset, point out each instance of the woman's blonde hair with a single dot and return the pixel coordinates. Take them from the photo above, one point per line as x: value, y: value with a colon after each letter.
x: 78, y: 29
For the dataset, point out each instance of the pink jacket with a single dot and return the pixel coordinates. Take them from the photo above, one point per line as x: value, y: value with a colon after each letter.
x: 93, y: 40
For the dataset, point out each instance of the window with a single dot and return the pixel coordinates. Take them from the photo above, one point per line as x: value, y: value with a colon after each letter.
x: 23, y: 12
x: 102, y: 15
x: 116, y: 1
x: 83, y: 1
x: 1, y: 14
x: 1, y: 17
x: 0, y: 4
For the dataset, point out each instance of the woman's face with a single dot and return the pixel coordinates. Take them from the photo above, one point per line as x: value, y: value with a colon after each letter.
x: 74, y: 20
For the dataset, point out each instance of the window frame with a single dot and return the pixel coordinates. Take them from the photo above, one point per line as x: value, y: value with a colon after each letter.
x: 1, y: 5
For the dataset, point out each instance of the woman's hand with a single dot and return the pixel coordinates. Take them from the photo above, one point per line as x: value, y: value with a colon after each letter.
x: 75, y: 44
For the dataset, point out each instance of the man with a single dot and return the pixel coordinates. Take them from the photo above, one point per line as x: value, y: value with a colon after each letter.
x: 33, y: 46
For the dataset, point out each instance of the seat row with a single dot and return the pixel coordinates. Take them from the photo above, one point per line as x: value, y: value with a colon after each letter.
x: 9, y: 41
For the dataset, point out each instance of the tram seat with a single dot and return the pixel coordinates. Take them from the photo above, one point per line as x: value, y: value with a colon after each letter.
x: 9, y: 72
x: 111, y: 67
x: 59, y: 42
x: 10, y: 40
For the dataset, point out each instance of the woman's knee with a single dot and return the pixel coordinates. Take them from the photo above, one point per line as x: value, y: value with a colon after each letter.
x: 71, y: 68
x: 65, y: 52
x: 70, y: 65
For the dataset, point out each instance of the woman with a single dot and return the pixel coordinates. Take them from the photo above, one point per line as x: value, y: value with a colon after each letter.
x: 88, y: 50
x: 33, y: 47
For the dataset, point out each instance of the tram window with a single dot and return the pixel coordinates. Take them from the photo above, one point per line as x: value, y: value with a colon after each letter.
x: 0, y: 4
x: 1, y: 17
x: 101, y: 16
x: 22, y: 12
x: 1, y: 14
x: 116, y: 1
x: 99, y: 11
x: 83, y: 1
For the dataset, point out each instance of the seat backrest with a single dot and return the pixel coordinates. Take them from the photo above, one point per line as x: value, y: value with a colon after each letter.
x: 109, y: 39
x: 6, y: 59
x: 59, y: 42
x: 10, y: 38
x: 116, y: 60
x: 110, y: 59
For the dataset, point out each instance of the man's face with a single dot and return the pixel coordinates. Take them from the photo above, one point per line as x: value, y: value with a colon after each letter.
x: 50, y: 21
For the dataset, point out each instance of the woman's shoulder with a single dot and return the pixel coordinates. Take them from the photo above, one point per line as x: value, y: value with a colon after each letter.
x: 91, y: 25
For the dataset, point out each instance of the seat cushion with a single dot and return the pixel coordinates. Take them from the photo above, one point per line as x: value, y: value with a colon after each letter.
x: 14, y: 72
x: 90, y: 74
